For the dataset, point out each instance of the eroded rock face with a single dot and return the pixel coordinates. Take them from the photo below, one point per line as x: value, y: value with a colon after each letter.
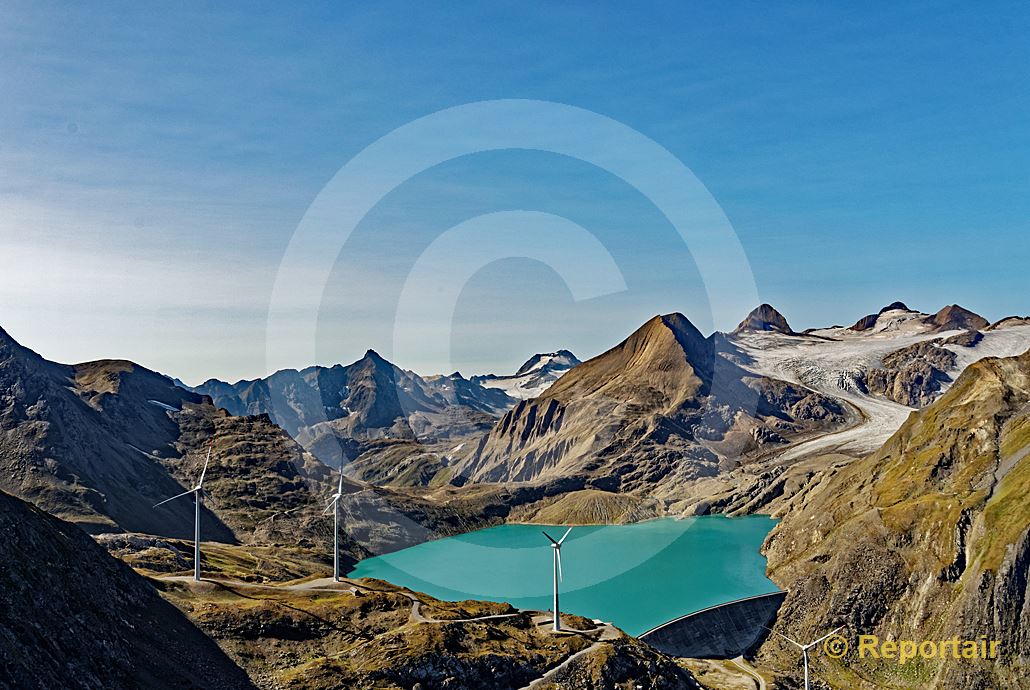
x: 913, y: 375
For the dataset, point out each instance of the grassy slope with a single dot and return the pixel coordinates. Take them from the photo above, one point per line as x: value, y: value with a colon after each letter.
x: 878, y: 545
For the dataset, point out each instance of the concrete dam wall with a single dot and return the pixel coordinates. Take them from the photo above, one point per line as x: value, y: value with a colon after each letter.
x: 720, y: 632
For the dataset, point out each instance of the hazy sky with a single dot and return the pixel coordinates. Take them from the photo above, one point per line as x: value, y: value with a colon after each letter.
x: 155, y: 162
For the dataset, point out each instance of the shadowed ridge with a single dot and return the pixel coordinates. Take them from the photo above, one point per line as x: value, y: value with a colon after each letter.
x: 109, y: 629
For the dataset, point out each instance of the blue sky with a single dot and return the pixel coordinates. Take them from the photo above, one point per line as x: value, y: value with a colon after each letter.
x: 154, y: 163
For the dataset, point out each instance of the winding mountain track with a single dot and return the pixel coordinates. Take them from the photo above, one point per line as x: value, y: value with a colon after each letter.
x: 740, y: 663
x: 322, y: 585
x: 604, y: 632
x: 607, y: 634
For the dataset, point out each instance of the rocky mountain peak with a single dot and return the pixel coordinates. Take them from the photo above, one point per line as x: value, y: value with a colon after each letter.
x: 956, y: 318
x: 765, y: 318
x: 373, y: 356
x: 562, y: 359
x: 668, y: 351
x: 868, y: 322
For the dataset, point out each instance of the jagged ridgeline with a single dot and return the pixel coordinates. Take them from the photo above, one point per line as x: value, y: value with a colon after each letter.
x: 100, y: 443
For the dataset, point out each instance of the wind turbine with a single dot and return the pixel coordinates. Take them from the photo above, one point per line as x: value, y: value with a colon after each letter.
x: 334, y: 504
x: 198, y: 495
x: 556, y: 547
x: 805, y: 647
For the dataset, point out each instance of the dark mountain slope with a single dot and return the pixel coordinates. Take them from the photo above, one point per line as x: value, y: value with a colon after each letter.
x: 77, y: 440
x: 72, y: 617
x: 100, y: 443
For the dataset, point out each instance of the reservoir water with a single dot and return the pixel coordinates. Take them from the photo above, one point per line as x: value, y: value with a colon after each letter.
x: 635, y: 576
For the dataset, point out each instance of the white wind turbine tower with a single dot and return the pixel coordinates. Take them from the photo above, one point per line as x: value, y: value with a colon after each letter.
x: 334, y: 504
x: 556, y: 547
x: 805, y: 647
x: 198, y: 495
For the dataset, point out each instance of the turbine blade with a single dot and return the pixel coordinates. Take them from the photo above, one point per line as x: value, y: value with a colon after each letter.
x: 332, y: 504
x: 560, y: 575
x: 184, y: 493
x: 830, y: 634
x: 563, y: 536
x: 339, y: 489
x: 796, y: 644
x: 549, y: 538
x: 204, y: 471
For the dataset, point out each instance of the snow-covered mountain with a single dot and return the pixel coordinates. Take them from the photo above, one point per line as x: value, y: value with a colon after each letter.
x: 887, y: 364
x: 533, y: 377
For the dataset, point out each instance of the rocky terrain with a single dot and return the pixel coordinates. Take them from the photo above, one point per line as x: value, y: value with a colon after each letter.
x: 100, y: 443
x: 71, y: 616
x: 926, y: 538
x: 913, y: 375
x: 370, y: 634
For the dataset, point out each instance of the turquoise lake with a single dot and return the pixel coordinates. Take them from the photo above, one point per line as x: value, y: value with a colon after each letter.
x: 635, y: 576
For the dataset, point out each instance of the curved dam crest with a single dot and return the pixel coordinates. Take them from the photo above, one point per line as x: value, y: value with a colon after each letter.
x: 636, y: 576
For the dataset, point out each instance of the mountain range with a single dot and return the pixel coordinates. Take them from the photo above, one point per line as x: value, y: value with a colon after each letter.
x: 893, y: 451
x: 100, y: 443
